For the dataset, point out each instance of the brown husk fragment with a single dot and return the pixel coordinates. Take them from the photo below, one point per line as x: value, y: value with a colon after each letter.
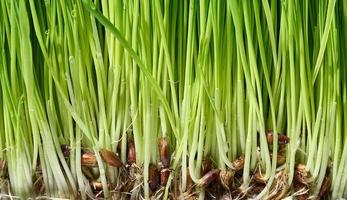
x: 164, y: 176
x: 226, y: 178
x: 324, y: 190
x: 239, y: 163
x: 301, y: 175
x: 88, y: 159
x: 282, y: 139
x: 206, y: 165
x: 258, y: 178
x: 301, y: 183
x: 154, y: 177
x: 96, y: 185
x: 209, y: 177
x: 164, y: 152
x: 110, y: 158
x: 66, y: 150
x: 131, y: 157
x: 97, y: 188
x: 281, y: 158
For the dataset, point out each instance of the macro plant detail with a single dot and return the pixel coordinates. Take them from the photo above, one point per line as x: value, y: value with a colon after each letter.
x: 165, y: 99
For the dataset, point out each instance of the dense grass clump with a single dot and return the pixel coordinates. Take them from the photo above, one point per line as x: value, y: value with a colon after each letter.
x: 173, y: 99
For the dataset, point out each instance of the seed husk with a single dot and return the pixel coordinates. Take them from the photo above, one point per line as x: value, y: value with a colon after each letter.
x: 281, y: 158
x: 110, y: 158
x: 239, y: 163
x: 66, y: 150
x: 259, y: 178
x: 282, y: 138
x: 226, y: 178
x: 154, y: 177
x: 209, y: 177
x: 88, y: 159
x: 206, y: 165
x: 324, y: 190
x: 131, y: 157
x: 301, y: 175
x: 164, y: 176
x: 164, y: 152
x: 96, y: 185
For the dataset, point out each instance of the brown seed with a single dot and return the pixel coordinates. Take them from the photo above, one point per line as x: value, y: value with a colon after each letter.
x: 66, y: 150
x: 206, y: 165
x: 209, y: 177
x: 282, y: 139
x: 281, y: 158
x: 131, y: 153
x: 269, y: 137
x: 301, y: 175
x: 226, y: 178
x: 164, y: 176
x: 111, y: 158
x: 96, y: 185
x: 164, y: 152
x: 154, y: 179
x: 239, y: 163
x: 324, y: 190
x: 89, y: 160
x: 259, y: 178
